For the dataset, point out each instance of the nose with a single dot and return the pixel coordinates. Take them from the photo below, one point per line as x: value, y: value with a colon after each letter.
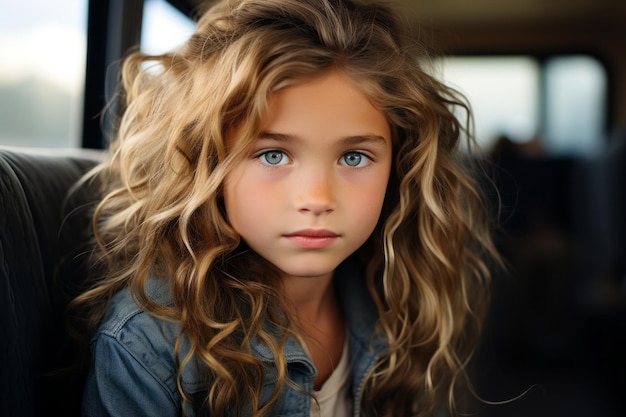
x: 315, y: 194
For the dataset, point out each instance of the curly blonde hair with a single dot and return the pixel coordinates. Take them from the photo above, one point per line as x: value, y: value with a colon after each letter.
x: 162, y: 210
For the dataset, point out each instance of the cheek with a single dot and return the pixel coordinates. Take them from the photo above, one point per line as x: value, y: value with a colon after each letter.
x: 366, y: 203
x: 245, y: 205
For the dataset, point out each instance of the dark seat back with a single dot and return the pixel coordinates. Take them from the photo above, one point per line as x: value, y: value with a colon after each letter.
x: 42, y: 253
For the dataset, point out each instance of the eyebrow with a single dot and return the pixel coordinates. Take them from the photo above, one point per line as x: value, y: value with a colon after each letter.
x: 346, y: 141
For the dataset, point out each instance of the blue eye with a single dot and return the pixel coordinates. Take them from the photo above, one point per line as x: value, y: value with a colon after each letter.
x: 354, y: 159
x: 274, y: 158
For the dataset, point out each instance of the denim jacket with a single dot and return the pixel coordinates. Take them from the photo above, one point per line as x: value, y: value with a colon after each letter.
x: 134, y: 367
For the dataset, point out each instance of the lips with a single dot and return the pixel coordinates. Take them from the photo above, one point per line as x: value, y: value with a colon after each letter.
x: 312, y: 238
x: 319, y: 233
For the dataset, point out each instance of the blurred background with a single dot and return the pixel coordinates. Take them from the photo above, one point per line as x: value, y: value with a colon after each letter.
x: 547, y: 83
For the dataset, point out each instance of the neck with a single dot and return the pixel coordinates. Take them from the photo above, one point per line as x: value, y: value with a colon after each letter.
x: 319, y: 317
x: 312, y: 297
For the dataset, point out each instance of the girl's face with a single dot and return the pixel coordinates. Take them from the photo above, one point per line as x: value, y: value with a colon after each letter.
x: 311, y: 192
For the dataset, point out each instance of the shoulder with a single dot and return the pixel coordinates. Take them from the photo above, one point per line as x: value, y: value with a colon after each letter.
x: 125, y: 317
x: 146, y: 339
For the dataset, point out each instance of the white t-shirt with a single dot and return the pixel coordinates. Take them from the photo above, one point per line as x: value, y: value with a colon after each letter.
x: 334, y: 397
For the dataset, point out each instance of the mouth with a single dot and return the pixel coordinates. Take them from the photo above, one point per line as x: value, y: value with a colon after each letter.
x: 313, y: 233
x: 312, y: 238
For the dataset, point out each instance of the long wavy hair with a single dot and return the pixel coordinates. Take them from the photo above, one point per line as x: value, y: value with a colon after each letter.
x: 162, y: 211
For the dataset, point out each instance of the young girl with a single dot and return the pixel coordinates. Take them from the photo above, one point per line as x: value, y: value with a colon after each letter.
x: 286, y: 224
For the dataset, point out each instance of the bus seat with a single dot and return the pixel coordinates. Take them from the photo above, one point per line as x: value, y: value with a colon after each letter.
x: 36, y: 235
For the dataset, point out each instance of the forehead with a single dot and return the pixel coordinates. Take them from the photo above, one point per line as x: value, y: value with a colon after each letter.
x: 331, y: 100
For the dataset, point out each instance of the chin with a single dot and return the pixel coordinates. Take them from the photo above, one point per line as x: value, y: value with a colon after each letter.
x: 308, y: 274
x: 313, y: 271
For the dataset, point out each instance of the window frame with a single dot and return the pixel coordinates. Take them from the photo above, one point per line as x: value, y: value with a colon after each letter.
x: 107, y: 45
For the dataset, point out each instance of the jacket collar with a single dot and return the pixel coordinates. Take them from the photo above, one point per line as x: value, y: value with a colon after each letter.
x: 361, y: 316
x: 359, y: 309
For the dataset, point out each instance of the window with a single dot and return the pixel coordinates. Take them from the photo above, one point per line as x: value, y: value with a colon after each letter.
x: 575, y: 101
x: 163, y: 28
x: 43, y: 45
x: 558, y: 102
x: 503, y: 93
